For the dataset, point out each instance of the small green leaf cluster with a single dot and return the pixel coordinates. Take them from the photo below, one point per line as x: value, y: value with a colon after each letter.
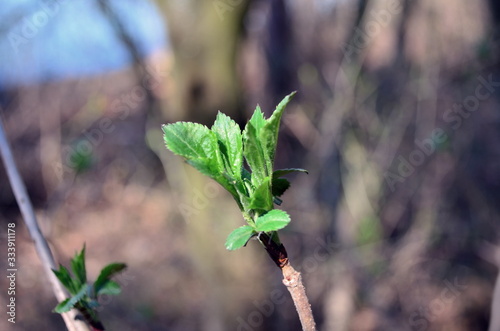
x: 83, y: 295
x: 220, y: 152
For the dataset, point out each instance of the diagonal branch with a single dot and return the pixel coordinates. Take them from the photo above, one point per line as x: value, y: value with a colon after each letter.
x: 30, y: 220
x: 292, y: 279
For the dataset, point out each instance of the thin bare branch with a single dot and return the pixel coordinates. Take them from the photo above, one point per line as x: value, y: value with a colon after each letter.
x: 292, y: 279
x: 293, y: 282
x: 30, y: 220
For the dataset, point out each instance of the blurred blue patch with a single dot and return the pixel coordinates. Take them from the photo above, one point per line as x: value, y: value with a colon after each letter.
x: 43, y: 40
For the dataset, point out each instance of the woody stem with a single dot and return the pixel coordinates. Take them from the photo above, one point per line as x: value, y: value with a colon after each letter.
x: 292, y: 279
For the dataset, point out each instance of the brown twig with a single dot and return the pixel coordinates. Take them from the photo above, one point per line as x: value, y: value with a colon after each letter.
x: 292, y: 279
x: 293, y: 282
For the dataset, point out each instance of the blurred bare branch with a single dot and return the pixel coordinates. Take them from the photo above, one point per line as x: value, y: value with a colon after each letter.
x: 29, y: 217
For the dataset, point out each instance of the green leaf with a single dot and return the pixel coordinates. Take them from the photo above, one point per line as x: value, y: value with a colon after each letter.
x: 69, y: 303
x: 109, y: 287
x: 190, y: 140
x: 243, y: 189
x: 261, y: 197
x: 254, y: 154
x: 200, y: 147
x: 279, y: 186
x: 230, y: 143
x: 245, y: 174
x: 282, y: 172
x: 272, y: 221
x: 106, y: 273
x: 239, y: 237
x: 65, y: 278
x: 197, y: 144
x: 207, y: 167
x: 269, y: 133
x: 78, y: 268
x: 257, y: 119
x: 63, y: 307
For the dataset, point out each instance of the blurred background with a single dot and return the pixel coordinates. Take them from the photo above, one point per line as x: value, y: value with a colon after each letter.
x: 396, y: 118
